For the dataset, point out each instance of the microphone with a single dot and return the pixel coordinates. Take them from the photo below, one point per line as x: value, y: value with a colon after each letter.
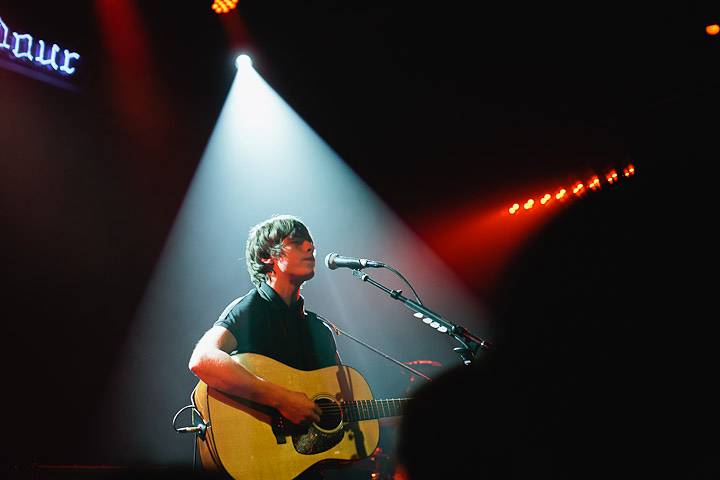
x: 333, y: 261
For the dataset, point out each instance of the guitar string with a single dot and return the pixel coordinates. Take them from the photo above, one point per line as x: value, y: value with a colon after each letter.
x: 377, y: 405
x: 368, y: 403
x: 360, y: 411
x: 330, y: 411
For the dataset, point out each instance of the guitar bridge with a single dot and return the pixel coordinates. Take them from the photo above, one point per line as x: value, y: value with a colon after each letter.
x: 278, y: 428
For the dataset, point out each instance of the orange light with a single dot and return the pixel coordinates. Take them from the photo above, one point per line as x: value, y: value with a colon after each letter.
x: 712, y: 29
x: 612, y: 176
x: 529, y: 204
x: 629, y: 170
x: 545, y: 198
x: 513, y: 209
x: 223, y: 6
x: 578, y: 188
x: 594, y: 183
x: 560, y: 194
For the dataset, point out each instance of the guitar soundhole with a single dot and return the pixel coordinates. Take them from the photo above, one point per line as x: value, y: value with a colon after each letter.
x: 331, y: 417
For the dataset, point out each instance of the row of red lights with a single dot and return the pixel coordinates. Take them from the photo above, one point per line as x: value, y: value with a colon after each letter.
x: 577, y: 189
x: 223, y: 6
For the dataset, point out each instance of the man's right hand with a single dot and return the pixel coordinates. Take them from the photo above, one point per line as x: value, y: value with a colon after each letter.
x: 299, y: 409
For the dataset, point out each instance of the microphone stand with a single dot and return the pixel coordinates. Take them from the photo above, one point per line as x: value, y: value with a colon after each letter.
x: 471, y: 344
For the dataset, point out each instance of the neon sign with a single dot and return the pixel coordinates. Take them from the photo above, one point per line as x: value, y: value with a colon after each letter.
x: 23, y: 47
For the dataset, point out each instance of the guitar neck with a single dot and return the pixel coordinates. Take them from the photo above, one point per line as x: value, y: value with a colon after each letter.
x: 373, y: 409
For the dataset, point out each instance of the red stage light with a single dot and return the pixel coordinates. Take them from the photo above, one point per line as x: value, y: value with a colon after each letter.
x: 712, y: 29
x: 578, y: 189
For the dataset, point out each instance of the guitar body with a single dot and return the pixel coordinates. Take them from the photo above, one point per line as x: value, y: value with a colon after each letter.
x: 249, y: 440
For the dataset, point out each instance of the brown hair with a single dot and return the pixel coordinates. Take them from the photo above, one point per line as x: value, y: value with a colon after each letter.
x: 265, y: 241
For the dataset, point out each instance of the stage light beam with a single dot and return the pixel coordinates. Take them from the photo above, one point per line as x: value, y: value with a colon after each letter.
x: 261, y: 159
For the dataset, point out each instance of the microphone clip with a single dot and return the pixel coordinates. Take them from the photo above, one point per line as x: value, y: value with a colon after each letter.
x: 359, y: 274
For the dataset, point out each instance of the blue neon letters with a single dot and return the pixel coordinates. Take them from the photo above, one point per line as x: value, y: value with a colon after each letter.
x: 22, y: 46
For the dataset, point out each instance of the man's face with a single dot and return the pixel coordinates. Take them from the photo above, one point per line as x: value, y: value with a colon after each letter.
x: 297, y: 260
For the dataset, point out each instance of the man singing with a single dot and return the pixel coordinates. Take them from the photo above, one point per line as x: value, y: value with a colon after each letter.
x: 271, y: 321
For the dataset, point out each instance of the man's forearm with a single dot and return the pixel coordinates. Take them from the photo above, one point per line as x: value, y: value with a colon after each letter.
x: 219, y: 371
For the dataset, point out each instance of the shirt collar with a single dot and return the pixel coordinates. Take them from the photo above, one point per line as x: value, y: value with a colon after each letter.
x: 269, y: 294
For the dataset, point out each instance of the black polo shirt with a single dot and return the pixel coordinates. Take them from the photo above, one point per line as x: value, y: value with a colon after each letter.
x: 262, y: 323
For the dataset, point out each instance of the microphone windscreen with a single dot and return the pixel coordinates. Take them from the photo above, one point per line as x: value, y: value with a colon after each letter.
x: 330, y: 261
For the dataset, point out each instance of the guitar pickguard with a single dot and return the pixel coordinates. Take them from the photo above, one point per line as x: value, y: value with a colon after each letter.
x: 322, y: 436
x: 313, y: 440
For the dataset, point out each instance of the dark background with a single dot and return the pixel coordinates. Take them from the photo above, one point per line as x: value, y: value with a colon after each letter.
x: 439, y: 108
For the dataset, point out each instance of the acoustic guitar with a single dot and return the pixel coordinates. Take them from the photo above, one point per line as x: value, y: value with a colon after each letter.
x: 249, y: 440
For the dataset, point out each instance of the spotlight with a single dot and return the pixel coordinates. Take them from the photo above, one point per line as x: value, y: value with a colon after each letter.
x: 243, y: 61
x: 712, y: 29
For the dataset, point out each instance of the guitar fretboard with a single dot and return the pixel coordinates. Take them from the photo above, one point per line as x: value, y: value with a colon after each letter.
x: 371, y: 409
